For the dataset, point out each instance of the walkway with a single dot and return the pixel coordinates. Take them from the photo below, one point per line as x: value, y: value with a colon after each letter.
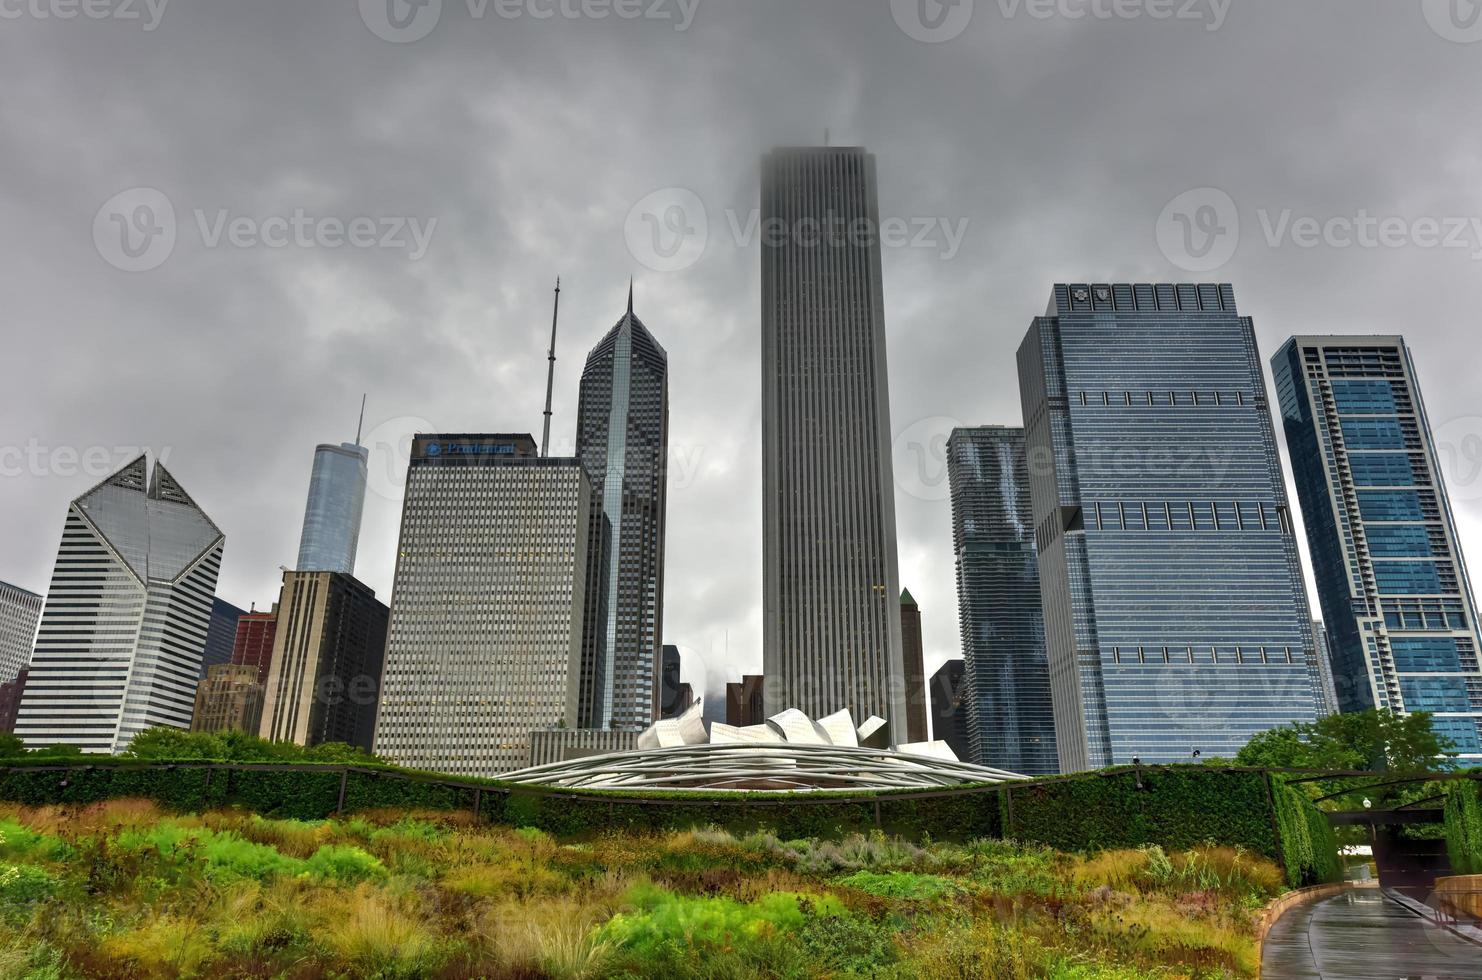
x: 1361, y: 935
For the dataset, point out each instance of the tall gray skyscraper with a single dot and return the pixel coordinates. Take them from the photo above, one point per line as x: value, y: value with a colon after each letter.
x: 486, y: 610
x: 1176, y: 617
x: 831, y: 608
x: 20, y: 610
x: 1396, y: 599
x: 1010, y: 721
x: 119, y: 648
x: 332, y: 515
x: 622, y: 440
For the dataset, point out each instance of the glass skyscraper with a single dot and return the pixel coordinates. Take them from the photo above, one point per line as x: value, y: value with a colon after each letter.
x: 1010, y: 723
x: 486, y: 610
x: 20, y: 610
x: 332, y: 515
x: 1396, y: 600
x: 831, y: 615
x: 122, y: 634
x: 1176, y: 619
x: 622, y: 440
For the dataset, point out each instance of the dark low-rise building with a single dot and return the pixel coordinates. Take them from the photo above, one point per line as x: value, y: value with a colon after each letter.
x: 948, y: 717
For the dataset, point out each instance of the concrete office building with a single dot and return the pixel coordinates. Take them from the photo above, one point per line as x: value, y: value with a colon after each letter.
x: 1176, y: 618
x: 325, y: 674
x: 831, y: 587
x: 228, y: 700
x: 1396, y: 599
x: 256, y: 632
x: 120, y: 642
x: 914, y: 653
x: 745, y: 702
x: 1009, y: 718
x: 948, y: 714
x: 622, y: 440
x: 486, y: 610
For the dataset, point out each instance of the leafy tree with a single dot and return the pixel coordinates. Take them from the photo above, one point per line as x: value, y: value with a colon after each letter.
x: 175, y: 745
x: 11, y: 746
x: 1369, y: 740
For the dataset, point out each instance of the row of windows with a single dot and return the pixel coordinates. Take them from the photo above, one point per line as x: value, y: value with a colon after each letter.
x: 1189, y: 515
x: 1425, y: 614
x: 1213, y: 655
x: 1441, y: 693
x: 1154, y: 399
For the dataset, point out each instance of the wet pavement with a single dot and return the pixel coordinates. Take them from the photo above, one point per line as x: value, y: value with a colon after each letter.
x: 1361, y: 935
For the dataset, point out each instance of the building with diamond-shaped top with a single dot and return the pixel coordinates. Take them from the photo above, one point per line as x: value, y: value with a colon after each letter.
x: 124, y: 627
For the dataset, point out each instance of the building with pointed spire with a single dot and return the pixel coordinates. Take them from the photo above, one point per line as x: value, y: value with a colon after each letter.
x: 622, y: 441
x: 915, y: 657
x: 122, y: 633
x: 331, y: 532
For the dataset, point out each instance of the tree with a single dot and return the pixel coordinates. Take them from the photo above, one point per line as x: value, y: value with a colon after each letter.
x: 1372, y: 740
x: 174, y: 745
x: 10, y: 746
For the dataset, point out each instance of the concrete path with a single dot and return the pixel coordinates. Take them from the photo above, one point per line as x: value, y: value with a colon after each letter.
x: 1361, y: 935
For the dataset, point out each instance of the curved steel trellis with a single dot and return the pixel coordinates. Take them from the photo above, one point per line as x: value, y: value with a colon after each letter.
x: 759, y: 766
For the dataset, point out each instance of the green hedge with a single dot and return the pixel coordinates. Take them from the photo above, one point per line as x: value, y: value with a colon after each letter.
x: 1464, y: 826
x: 1309, y: 845
x: 1175, y: 807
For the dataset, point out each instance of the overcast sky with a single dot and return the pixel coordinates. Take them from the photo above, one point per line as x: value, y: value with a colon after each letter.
x: 606, y: 147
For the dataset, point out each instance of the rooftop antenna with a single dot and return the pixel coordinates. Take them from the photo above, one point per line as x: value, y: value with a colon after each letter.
x: 630, y: 297
x: 360, y: 426
x: 550, y: 378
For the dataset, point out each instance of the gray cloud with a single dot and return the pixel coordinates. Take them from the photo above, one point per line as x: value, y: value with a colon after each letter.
x: 1059, y: 141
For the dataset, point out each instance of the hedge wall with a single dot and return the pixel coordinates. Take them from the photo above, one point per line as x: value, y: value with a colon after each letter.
x: 1309, y: 845
x: 1175, y: 807
x: 1464, y: 826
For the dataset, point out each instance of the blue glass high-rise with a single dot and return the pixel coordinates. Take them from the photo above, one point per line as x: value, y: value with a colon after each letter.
x: 1399, y: 609
x: 332, y: 516
x: 1176, y: 619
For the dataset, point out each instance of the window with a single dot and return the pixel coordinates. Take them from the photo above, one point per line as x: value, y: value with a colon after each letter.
x: 1435, y: 694
x: 1399, y: 541
x: 1381, y: 470
x: 1364, y: 397
x: 1373, y: 434
x: 1407, y: 577
x: 1390, y: 505
x: 1422, y: 654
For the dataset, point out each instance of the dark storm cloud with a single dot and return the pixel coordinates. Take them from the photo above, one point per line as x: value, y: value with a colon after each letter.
x: 1052, y: 136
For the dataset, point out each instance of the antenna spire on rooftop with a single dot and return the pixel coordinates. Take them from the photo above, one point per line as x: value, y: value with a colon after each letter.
x: 630, y: 296
x: 550, y: 378
x: 360, y: 426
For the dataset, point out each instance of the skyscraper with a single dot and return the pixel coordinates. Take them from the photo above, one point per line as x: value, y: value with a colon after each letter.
x: 622, y: 440
x: 1009, y: 719
x: 332, y: 515
x: 228, y: 700
x: 486, y: 611
x: 948, y: 708
x: 20, y: 611
x: 914, y: 653
x: 119, y: 648
x: 1327, y: 691
x: 1396, y: 600
x: 256, y: 632
x: 831, y: 614
x: 1176, y: 619
x: 221, y: 635
x: 325, y: 672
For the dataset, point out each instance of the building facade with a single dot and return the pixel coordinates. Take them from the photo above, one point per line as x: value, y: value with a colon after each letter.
x: 486, y: 613
x: 120, y: 642
x: 221, y: 635
x: 622, y: 440
x: 20, y: 612
x: 1327, y: 690
x: 1176, y: 618
x: 10, y: 701
x: 228, y: 700
x: 565, y: 745
x: 1393, y: 586
x: 256, y: 633
x: 324, y: 676
x: 948, y: 708
x: 332, y: 515
x: 1009, y: 718
x: 831, y: 616
x: 913, y: 653
x: 746, y: 702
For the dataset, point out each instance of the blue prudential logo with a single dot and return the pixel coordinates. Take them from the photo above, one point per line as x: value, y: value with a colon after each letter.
x: 434, y: 449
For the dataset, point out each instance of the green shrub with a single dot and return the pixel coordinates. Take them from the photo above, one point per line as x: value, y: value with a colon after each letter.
x: 229, y: 856
x: 1464, y: 826
x: 902, y: 884
x: 1309, y: 847
x: 345, y: 864
x: 663, y: 920
x: 22, y: 886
